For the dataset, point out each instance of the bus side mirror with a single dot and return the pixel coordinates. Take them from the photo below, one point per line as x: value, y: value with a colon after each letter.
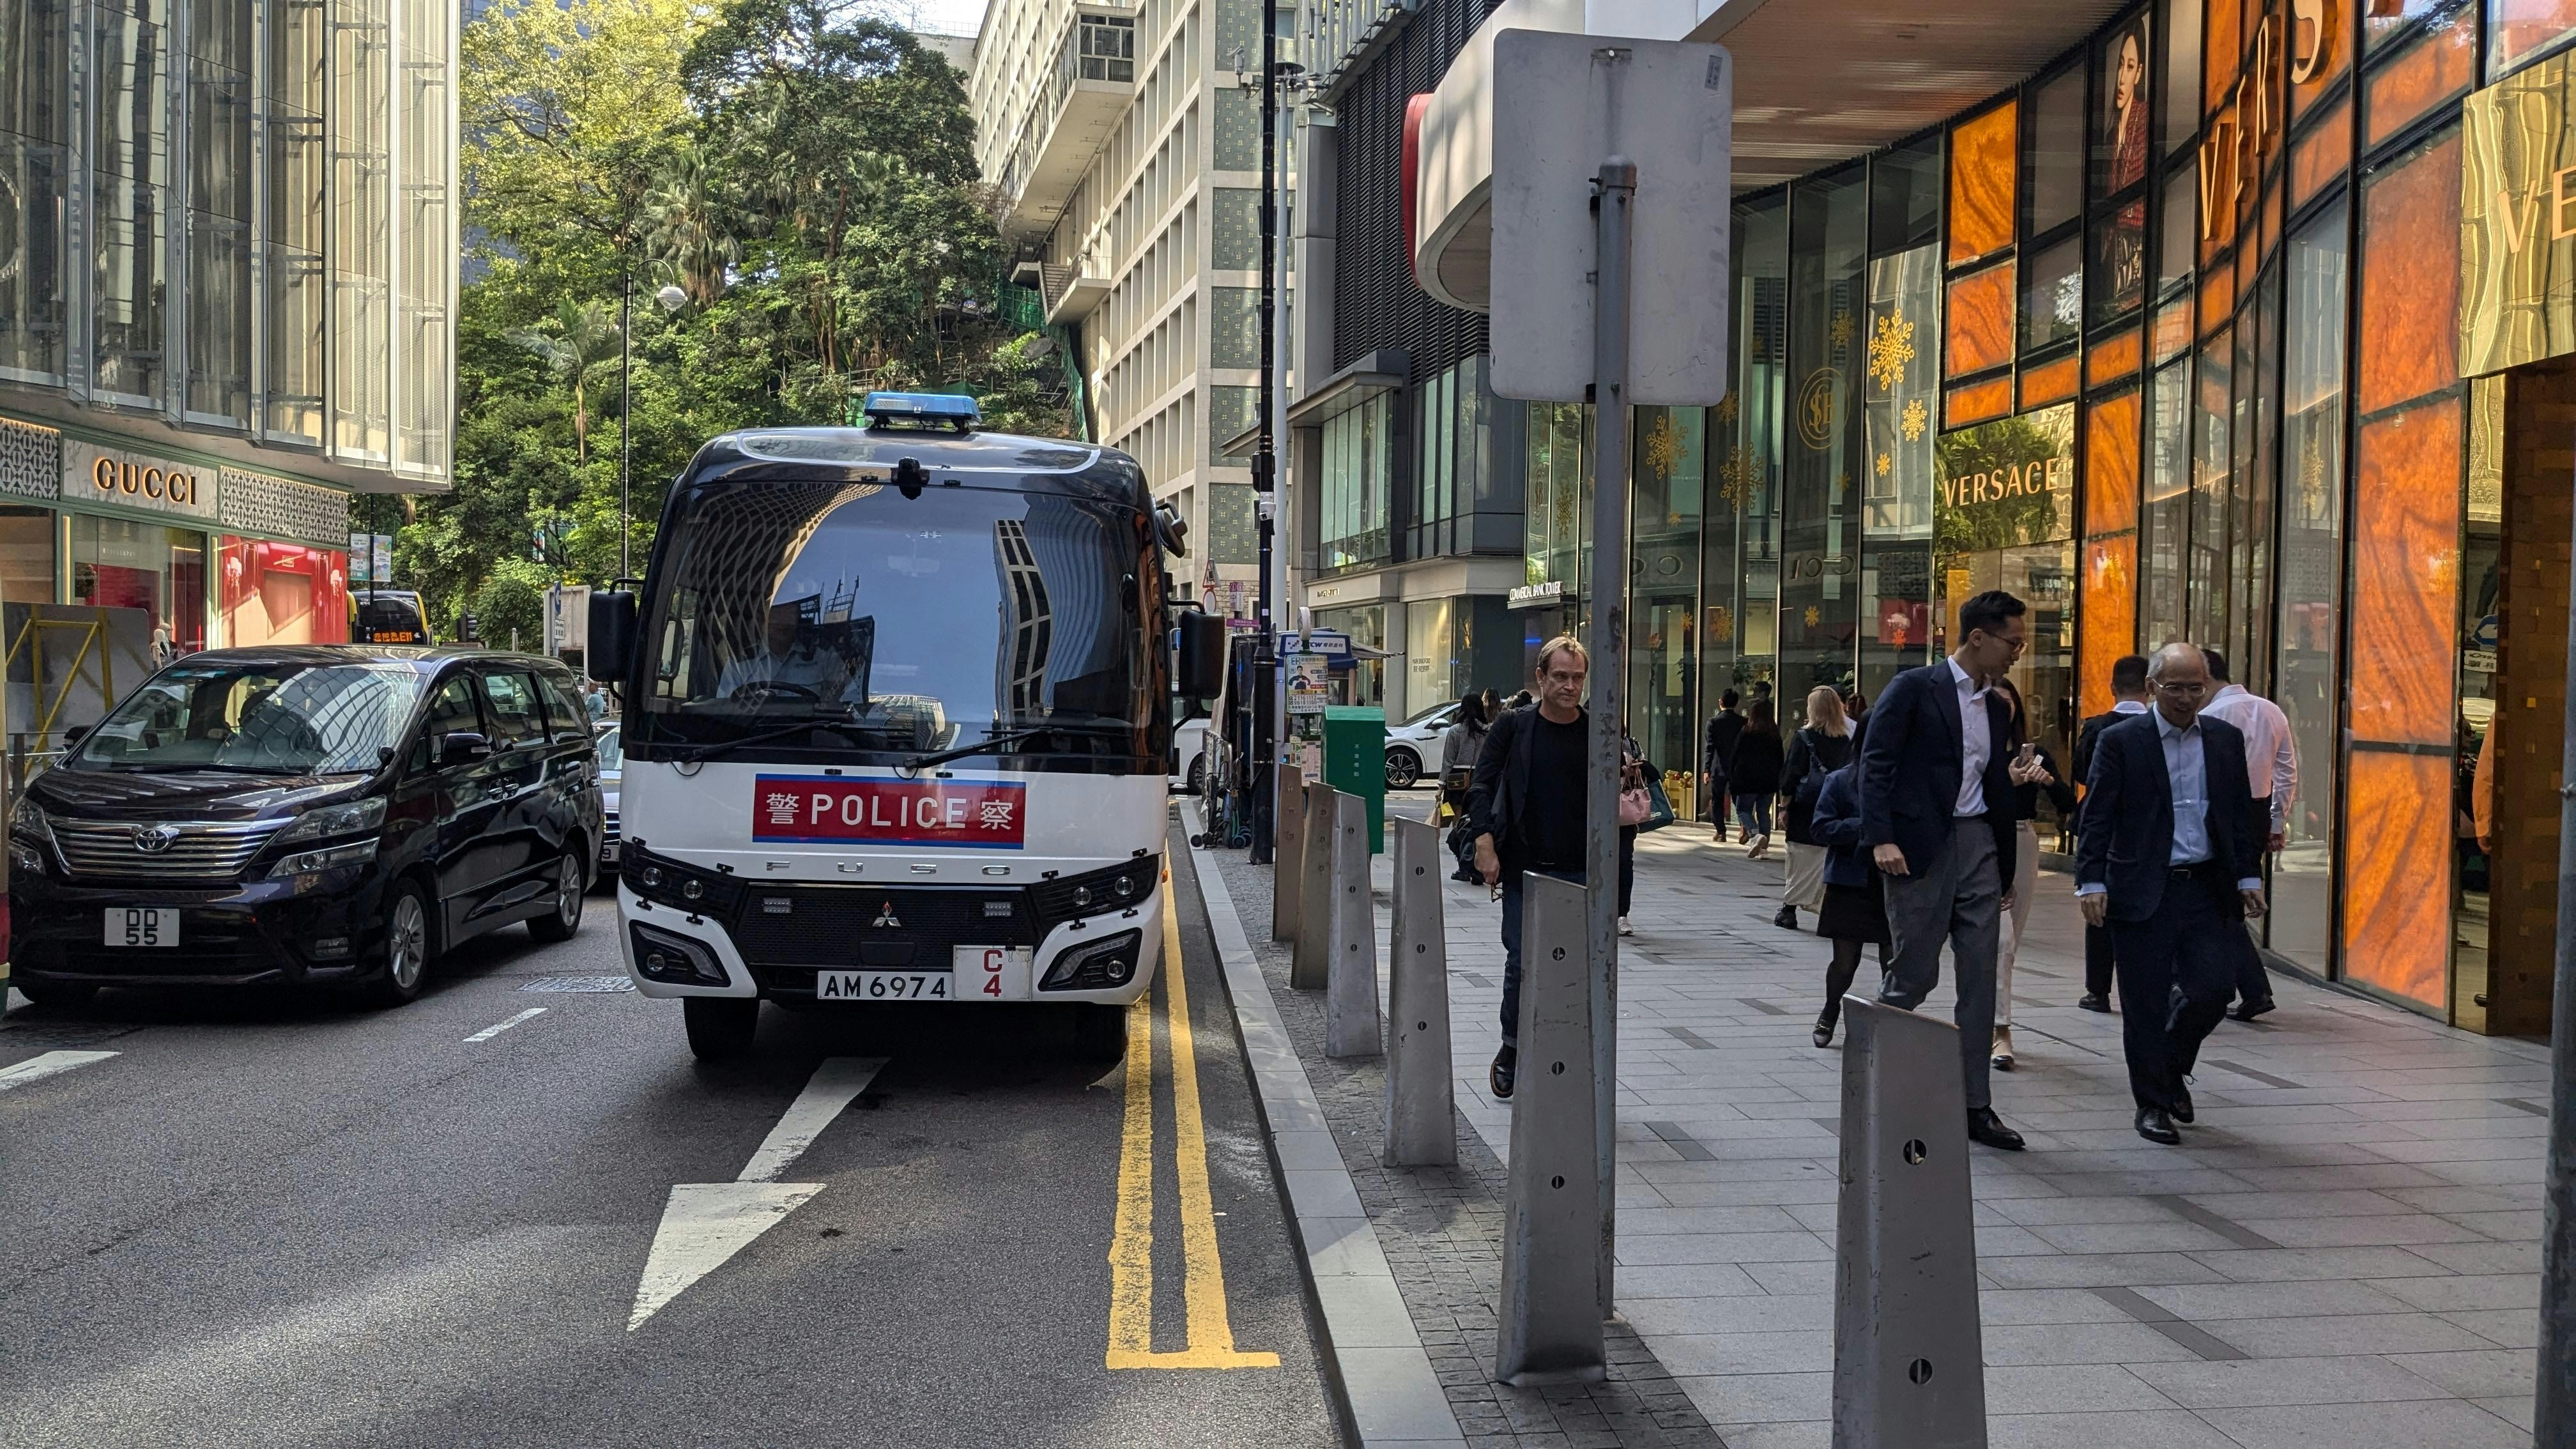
x: 612, y: 636
x: 1200, y: 670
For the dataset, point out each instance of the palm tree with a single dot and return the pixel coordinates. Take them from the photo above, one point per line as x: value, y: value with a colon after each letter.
x: 583, y: 335
x: 685, y: 225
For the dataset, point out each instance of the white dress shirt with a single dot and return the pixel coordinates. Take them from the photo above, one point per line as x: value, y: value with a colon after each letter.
x: 2271, y: 762
x: 1976, y: 743
x: 2186, y: 753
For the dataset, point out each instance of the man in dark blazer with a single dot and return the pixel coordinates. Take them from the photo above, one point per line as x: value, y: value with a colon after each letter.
x: 2128, y: 697
x: 1936, y: 798
x: 2172, y: 865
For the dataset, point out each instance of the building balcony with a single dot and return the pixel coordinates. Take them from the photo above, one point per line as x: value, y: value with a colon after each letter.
x: 1093, y: 80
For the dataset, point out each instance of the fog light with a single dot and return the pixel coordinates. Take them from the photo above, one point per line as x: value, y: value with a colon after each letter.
x: 652, y: 875
x: 330, y: 948
x: 1126, y: 887
x: 694, y: 889
x: 669, y: 957
x: 1096, y: 966
x: 1082, y: 895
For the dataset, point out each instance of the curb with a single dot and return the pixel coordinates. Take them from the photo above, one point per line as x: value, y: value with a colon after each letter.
x: 1371, y: 1350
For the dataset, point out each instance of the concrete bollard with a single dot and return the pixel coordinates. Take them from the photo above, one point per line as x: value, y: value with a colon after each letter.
x: 1909, y: 1354
x: 1421, y: 1120
x: 1288, y: 862
x: 1551, y: 1314
x: 1309, y: 966
x: 1350, y: 996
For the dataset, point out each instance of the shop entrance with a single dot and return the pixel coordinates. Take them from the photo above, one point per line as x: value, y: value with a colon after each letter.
x: 2513, y: 701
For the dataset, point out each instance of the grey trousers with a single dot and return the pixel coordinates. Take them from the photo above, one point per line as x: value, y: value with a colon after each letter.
x: 1955, y: 898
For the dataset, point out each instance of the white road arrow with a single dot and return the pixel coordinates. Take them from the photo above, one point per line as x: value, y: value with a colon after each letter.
x: 706, y: 1223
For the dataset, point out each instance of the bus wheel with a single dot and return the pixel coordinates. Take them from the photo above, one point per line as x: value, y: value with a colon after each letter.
x: 720, y: 1027
x: 1100, y: 1032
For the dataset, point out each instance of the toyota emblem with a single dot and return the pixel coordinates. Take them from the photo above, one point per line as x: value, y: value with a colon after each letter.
x: 154, y: 839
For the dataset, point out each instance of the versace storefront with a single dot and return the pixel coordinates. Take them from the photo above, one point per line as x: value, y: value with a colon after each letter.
x: 2189, y: 335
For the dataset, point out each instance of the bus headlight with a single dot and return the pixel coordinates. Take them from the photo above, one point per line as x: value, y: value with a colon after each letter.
x: 1095, y: 965
x: 674, y: 958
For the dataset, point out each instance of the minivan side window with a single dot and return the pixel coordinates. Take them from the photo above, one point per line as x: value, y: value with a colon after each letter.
x: 563, y: 710
x: 515, y: 710
x: 451, y: 711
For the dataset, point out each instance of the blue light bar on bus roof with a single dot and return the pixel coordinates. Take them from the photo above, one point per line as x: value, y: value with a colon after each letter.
x: 920, y: 408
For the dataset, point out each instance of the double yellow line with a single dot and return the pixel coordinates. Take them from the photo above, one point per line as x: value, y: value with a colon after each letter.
x: 1131, y: 1241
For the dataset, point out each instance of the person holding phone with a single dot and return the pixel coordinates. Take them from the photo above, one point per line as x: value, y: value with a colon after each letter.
x: 2033, y: 771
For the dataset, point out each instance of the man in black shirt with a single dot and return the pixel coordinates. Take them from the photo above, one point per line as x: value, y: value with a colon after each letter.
x: 1526, y: 811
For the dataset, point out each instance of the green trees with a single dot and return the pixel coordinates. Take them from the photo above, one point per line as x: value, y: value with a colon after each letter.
x: 800, y: 173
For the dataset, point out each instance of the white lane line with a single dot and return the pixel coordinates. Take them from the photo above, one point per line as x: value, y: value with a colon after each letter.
x: 38, y: 1068
x: 489, y: 1032
x: 833, y: 1086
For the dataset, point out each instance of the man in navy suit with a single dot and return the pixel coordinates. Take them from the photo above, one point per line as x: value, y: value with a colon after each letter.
x: 2171, y: 859
x: 1936, y: 807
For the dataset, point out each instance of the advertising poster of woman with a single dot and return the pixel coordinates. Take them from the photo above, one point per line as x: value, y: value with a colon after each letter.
x: 2120, y: 165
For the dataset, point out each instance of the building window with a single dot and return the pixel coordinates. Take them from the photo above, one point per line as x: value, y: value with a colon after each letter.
x: 35, y: 133
x: 158, y: 572
x: 1359, y: 465
x: 26, y: 555
x: 360, y: 254
x: 130, y: 50
x: 296, y: 165
x: 422, y: 406
x: 2311, y: 573
x: 219, y: 106
x: 282, y: 593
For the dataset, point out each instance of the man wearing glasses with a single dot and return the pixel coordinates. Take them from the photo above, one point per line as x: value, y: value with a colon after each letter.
x: 1525, y: 812
x: 2170, y: 860
x: 1936, y: 805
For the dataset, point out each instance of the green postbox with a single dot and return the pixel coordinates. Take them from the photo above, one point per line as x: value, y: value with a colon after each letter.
x: 1355, y: 761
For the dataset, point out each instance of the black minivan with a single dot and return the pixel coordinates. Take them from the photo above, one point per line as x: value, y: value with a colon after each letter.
x: 305, y: 814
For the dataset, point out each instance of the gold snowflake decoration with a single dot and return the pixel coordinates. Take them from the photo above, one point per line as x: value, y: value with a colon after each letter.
x: 1891, y: 347
x: 1814, y: 616
x: 1726, y: 409
x: 1911, y: 423
x: 1663, y: 446
x: 1739, y: 476
x: 1842, y: 331
x: 1884, y: 464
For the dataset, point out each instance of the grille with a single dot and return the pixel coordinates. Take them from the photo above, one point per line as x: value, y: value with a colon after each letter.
x: 837, y: 930
x: 202, y: 849
x: 608, y: 825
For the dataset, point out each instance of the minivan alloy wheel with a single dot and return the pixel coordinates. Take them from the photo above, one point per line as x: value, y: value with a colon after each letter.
x: 406, y: 942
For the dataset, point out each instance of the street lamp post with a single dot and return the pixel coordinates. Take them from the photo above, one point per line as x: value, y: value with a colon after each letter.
x: 625, y: 425
x: 1267, y: 721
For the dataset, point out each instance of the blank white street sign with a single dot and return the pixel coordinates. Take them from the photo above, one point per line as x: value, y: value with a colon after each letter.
x: 1562, y: 105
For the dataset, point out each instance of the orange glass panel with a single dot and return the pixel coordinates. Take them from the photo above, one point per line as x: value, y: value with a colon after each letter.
x: 2111, y: 359
x: 2217, y: 298
x: 2410, y: 278
x: 1977, y: 402
x: 2397, y: 844
x: 2406, y: 575
x: 2218, y: 159
x: 2432, y: 71
x: 1984, y: 154
x: 2321, y: 45
x: 2108, y: 610
x: 2222, y: 47
x: 2111, y: 465
x: 2321, y: 155
x: 2049, y: 382
x: 2173, y: 330
x: 2516, y: 28
x: 1981, y: 322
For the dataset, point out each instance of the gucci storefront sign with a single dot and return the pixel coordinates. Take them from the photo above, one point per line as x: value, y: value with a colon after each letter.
x: 120, y: 479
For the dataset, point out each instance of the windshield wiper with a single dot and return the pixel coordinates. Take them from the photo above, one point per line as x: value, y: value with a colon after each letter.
x: 709, y: 752
x: 175, y: 768
x: 914, y: 765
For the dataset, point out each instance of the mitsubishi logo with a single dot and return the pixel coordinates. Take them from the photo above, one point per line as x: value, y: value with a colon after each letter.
x: 154, y: 839
x: 887, y: 918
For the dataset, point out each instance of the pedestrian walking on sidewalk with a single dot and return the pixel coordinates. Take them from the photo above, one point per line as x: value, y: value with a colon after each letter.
x: 2128, y: 697
x: 2171, y: 866
x: 1854, y: 913
x: 1821, y: 746
x: 1936, y: 804
x: 1526, y: 811
x: 1753, y: 776
x: 1634, y: 770
x: 1724, y: 727
x: 1458, y: 750
x: 2272, y: 770
x: 2033, y: 771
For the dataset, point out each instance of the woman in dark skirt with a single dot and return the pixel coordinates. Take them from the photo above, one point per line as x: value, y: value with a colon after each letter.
x: 1855, y: 912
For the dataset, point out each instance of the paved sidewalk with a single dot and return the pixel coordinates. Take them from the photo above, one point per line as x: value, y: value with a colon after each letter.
x: 2345, y: 1251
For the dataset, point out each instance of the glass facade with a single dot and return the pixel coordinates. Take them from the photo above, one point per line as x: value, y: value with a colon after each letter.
x: 2164, y: 340
x: 235, y: 218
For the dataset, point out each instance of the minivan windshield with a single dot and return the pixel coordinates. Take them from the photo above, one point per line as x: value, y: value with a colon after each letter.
x: 898, y: 623
x: 259, y: 719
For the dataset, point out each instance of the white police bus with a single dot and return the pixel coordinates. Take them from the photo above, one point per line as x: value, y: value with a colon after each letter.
x: 896, y: 722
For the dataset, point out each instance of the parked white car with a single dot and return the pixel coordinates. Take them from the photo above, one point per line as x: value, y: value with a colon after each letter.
x: 1190, y: 756
x: 1413, y: 747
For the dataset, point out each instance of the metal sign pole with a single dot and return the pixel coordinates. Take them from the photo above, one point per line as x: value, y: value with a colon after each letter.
x: 1615, y: 193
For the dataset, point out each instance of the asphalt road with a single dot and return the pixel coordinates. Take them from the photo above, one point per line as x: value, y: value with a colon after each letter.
x: 282, y: 1222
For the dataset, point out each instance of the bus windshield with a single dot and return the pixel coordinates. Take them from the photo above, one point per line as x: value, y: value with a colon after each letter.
x: 900, y: 624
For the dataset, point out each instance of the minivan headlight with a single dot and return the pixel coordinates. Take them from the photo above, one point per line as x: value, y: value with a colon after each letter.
x: 345, y: 819
x: 327, y: 858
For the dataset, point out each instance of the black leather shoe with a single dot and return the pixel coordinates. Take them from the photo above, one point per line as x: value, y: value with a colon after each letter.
x: 1825, y: 1023
x: 2180, y: 1111
x: 1500, y: 1078
x: 2247, y: 1011
x: 1984, y: 1126
x: 2155, y: 1125
x: 2091, y: 1002
x: 1787, y: 919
